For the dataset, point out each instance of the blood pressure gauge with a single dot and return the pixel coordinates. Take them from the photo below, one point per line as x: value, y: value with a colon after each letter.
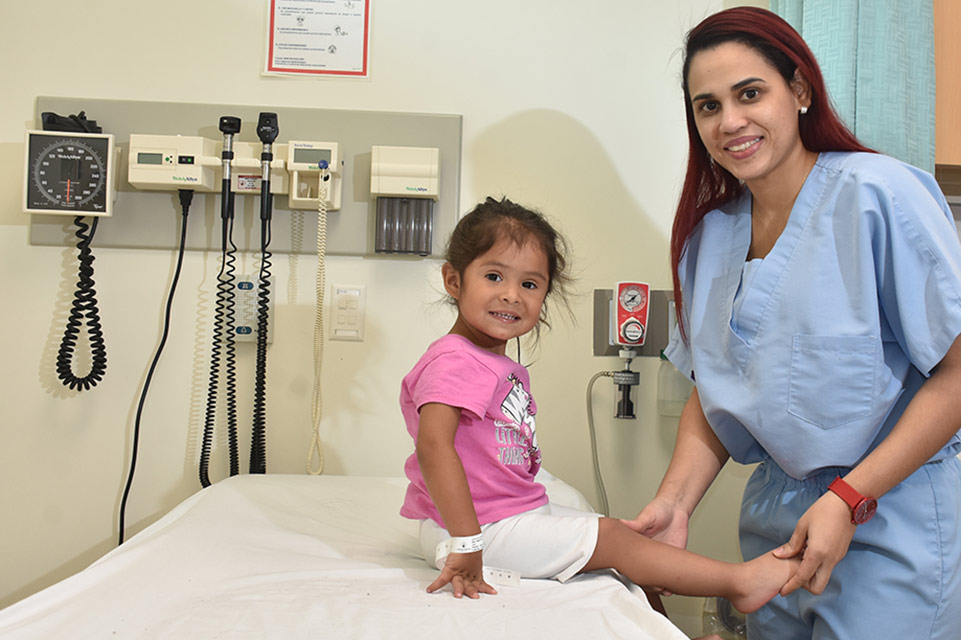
x: 68, y: 173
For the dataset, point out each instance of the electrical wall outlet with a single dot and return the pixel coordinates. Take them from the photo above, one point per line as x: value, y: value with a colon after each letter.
x: 348, y: 308
x: 657, y: 324
x: 246, y: 290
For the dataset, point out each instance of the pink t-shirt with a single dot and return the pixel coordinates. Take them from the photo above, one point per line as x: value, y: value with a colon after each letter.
x: 495, y: 438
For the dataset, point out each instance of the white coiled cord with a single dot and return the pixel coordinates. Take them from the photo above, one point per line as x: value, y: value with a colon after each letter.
x: 315, y: 453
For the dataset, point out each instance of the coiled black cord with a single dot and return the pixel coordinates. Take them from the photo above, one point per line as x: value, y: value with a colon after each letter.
x: 223, y: 341
x: 84, y: 308
x: 258, y: 438
x: 230, y: 357
x: 186, y: 196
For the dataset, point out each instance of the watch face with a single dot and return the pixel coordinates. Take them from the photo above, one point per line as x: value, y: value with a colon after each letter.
x: 864, y: 511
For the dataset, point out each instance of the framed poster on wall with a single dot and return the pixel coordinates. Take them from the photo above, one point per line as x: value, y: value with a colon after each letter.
x: 318, y: 37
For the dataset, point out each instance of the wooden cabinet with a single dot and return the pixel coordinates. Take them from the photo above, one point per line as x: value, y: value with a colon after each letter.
x: 947, y: 62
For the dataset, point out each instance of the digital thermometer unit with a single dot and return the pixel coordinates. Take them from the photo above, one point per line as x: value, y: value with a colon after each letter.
x: 68, y: 173
x: 632, y: 304
x: 308, y: 163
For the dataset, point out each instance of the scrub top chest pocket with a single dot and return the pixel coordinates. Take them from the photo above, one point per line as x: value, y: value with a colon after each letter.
x: 833, y: 378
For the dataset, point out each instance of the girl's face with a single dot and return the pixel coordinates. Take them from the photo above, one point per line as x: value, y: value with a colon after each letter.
x: 500, y: 294
x: 747, y: 115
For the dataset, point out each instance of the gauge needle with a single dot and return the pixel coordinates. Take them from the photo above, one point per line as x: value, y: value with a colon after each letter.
x: 68, y: 189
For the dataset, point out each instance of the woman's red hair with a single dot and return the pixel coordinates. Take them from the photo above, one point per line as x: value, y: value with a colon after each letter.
x: 707, y: 185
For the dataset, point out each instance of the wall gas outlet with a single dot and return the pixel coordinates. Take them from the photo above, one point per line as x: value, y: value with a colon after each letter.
x: 246, y: 289
x: 348, y: 306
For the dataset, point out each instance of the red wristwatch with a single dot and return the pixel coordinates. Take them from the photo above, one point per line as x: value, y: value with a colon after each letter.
x: 862, y: 508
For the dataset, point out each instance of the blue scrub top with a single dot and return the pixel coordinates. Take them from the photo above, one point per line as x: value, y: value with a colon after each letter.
x: 838, y: 326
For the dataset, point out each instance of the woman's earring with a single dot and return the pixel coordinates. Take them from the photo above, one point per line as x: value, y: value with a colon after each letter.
x: 803, y: 110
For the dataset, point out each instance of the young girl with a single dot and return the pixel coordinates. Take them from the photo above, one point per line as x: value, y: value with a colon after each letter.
x: 469, y: 409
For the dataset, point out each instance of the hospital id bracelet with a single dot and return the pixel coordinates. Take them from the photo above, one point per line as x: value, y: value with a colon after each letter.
x: 463, y: 544
x: 862, y: 508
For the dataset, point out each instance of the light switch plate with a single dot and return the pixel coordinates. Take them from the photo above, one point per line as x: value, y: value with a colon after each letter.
x: 348, y: 310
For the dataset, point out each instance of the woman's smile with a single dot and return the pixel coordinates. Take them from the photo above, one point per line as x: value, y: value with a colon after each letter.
x: 740, y: 145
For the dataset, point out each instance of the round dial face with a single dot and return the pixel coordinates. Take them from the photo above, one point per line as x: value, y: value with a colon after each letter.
x: 864, y: 511
x: 632, y: 298
x: 67, y: 173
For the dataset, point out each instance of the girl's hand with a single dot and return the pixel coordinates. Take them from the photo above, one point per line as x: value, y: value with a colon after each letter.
x: 465, y: 573
x: 822, y: 537
x: 663, y: 521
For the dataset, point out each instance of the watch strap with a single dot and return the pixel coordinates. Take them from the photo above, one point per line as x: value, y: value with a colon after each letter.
x: 853, y: 498
x: 846, y: 492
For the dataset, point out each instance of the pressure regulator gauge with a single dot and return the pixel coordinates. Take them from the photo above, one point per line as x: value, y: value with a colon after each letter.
x: 632, y: 297
x: 68, y: 173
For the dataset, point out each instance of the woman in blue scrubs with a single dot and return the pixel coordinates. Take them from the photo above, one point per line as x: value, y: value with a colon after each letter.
x: 820, y: 289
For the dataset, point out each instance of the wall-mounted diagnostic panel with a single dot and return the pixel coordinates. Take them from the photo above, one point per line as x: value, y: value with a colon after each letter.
x: 69, y: 173
x: 170, y: 146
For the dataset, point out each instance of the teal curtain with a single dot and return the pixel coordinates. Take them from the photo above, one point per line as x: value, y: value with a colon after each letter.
x: 877, y: 57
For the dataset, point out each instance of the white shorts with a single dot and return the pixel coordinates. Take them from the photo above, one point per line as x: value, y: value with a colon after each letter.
x: 547, y: 542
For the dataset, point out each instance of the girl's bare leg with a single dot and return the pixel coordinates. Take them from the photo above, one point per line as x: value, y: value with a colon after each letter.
x: 651, y: 563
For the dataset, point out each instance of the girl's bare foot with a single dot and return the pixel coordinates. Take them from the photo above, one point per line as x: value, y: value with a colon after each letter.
x: 759, y: 580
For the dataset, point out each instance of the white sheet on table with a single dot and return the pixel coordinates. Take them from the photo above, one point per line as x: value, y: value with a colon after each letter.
x: 309, y: 557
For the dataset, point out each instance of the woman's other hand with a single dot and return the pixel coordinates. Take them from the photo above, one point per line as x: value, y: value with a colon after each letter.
x: 663, y: 521
x: 822, y: 537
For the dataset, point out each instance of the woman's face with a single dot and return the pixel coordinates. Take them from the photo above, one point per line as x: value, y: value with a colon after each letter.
x: 747, y: 114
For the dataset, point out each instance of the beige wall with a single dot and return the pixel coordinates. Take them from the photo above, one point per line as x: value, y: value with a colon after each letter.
x: 566, y: 108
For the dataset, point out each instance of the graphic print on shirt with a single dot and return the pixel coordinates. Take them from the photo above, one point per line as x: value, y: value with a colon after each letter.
x: 516, y: 438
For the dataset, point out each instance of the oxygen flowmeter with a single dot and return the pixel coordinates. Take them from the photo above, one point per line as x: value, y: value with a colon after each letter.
x: 68, y: 173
